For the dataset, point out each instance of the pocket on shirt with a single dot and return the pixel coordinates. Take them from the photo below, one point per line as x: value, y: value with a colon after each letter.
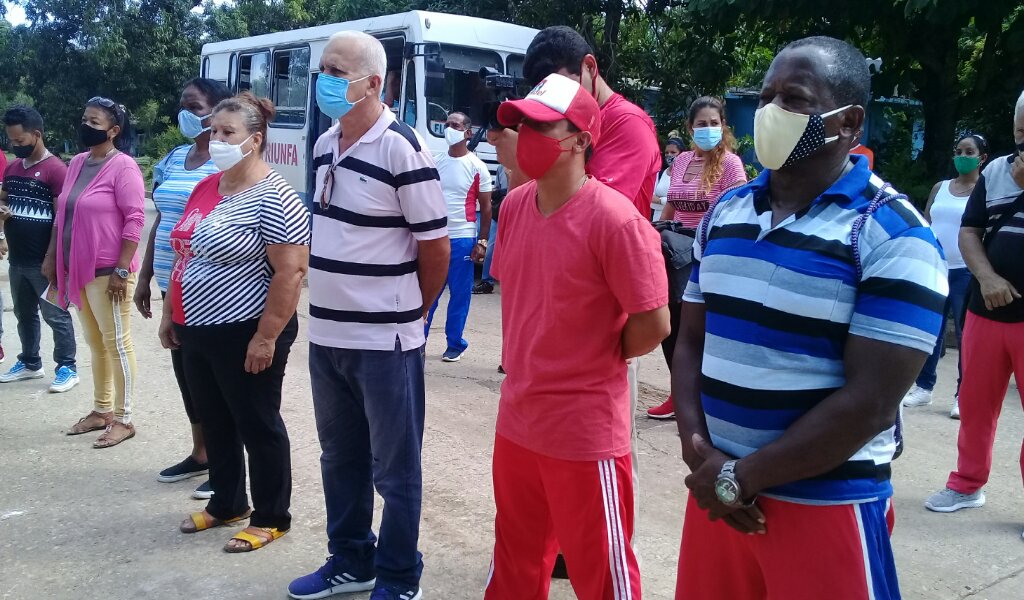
x: 803, y: 294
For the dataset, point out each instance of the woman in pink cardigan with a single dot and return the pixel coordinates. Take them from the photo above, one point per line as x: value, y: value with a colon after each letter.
x: 92, y: 262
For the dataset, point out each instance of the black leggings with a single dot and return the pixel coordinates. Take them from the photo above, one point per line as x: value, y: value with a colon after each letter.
x: 241, y: 412
x: 179, y: 375
x: 668, y: 345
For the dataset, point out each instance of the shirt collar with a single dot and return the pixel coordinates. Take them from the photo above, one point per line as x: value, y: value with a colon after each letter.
x: 372, y: 134
x: 850, y: 186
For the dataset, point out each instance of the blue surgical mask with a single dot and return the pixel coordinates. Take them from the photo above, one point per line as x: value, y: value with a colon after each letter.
x: 332, y: 95
x: 190, y: 125
x: 707, y: 138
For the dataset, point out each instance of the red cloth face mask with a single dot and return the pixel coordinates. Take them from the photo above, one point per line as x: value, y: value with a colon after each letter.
x: 536, y: 152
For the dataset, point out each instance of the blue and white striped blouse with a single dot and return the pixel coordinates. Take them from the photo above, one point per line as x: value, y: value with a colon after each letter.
x: 174, y: 186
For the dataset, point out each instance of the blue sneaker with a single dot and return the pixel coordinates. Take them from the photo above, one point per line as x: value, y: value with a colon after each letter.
x: 65, y: 379
x: 452, y: 355
x: 389, y: 593
x: 19, y: 372
x: 330, y: 579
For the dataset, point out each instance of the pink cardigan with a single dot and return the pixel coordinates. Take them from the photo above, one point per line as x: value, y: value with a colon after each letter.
x: 109, y: 210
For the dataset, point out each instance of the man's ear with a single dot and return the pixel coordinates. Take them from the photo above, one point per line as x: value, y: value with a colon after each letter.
x: 851, y: 123
x: 583, y: 141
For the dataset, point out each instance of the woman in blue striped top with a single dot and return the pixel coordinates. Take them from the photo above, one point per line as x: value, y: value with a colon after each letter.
x: 174, y: 178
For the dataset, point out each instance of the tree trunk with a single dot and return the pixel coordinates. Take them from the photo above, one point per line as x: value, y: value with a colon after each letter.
x: 940, y: 96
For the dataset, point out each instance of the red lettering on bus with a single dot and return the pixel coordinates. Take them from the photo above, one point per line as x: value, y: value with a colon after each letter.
x: 282, y: 154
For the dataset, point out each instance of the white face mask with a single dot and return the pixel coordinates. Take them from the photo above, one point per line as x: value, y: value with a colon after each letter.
x: 227, y: 155
x: 782, y: 138
x: 454, y: 136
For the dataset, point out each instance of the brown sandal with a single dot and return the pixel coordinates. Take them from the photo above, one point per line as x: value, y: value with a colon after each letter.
x: 111, y: 438
x: 88, y: 423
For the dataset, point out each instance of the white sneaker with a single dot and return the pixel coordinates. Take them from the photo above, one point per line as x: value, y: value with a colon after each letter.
x: 917, y: 396
x: 19, y: 372
x: 955, y: 412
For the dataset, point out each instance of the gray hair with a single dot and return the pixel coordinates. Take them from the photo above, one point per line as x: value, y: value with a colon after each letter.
x: 1019, y: 110
x: 371, y: 58
x: 256, y: 113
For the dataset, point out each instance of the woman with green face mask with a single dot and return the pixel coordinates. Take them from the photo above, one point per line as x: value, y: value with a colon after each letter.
x: 946, y: 205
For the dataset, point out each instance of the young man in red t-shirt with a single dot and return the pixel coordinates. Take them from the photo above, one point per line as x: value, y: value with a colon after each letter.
x: 628, y: 157
x: 584, y: 289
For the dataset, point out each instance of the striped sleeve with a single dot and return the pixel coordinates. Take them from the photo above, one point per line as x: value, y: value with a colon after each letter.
x: 421, y: 197
x: 283, y: 217
x: 692, y: 293
x: 903, y: 290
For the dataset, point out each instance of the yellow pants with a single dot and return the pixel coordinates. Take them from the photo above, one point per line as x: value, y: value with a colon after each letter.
x: 105, y: 326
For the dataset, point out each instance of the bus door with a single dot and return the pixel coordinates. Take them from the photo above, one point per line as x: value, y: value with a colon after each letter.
x: 319, y: 123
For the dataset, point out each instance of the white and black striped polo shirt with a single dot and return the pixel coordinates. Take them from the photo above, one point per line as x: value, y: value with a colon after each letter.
x: 385, y: 196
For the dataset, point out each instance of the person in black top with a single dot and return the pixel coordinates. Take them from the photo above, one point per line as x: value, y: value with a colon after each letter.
x: 30, y: 183
x: 992, y: 244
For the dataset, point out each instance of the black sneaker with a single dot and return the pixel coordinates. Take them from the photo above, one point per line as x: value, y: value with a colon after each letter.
x: 189, y: 467
x: 484, y: 287
x: 203, y: 492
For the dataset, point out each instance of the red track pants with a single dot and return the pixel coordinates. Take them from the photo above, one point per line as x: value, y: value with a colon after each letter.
x: 992, y: 351
x: 584, y: 507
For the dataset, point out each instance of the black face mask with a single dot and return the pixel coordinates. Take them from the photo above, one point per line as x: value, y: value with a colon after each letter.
x: 23, y: 151
x: 91, y: 136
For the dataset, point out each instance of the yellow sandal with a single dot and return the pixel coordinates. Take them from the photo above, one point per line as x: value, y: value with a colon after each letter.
x: 201, y: 523
x: 255, y: 541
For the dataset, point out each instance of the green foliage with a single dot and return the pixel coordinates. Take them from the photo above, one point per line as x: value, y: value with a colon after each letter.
x: 160, y: 145
x: 894, y: 161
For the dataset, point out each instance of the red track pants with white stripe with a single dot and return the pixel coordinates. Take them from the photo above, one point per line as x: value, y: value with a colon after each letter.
x: 583, y: 507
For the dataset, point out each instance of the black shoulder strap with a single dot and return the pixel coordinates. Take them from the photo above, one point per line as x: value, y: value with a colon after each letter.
x: 1003, y: 219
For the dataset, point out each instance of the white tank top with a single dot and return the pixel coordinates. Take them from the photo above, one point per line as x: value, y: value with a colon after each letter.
x: 946, y: 212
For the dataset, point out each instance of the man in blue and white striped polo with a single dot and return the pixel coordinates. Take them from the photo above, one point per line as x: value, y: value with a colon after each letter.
x: 815, y: 298
x: 378, y: 259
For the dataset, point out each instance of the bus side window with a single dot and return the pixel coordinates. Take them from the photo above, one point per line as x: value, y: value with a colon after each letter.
x: 254, y: 73
x: 291, y: 84
x: 409, y: 111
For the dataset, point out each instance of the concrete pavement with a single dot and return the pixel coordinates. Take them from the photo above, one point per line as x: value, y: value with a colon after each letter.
x: 78, y: 523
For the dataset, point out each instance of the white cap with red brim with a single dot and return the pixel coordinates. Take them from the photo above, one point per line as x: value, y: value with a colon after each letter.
x: 555, y: 98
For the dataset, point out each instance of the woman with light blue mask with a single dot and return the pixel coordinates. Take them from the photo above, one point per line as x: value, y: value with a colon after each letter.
x: 174, y: 178
x: 698, y: 178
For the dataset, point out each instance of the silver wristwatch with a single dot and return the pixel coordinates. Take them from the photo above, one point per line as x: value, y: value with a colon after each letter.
x: 727, y: 487
x: 122, y: 273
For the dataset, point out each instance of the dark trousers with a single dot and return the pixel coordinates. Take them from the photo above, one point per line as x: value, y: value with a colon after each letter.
x: 956, y: 303
x: 240, y: 410
x: 27, y: 285
x: 178, y: 365
x: 668, y: 345
x: 369, y: 416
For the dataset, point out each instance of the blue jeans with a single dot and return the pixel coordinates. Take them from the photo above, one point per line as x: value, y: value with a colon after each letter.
x: 959, y: 286
x: 460, y: 291
x: 27, y: 285
x: 493, y: 235
x: 369, y: 417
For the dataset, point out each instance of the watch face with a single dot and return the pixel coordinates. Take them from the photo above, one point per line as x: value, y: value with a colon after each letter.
x: 727, y: 491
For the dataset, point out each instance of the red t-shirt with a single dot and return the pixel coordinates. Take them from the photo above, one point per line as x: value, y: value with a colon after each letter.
x: 627, y: 156
x: 205, y: 197
x: 568, y: 283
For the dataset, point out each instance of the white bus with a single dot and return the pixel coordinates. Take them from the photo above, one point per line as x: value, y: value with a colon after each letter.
x: 434, y: 63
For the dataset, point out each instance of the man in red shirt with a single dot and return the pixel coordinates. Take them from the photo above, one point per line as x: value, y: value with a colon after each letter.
x: 562, y: 467
x: 628, y: 157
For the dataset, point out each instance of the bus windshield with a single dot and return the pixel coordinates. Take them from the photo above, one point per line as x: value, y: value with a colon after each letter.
x: 464, y: 91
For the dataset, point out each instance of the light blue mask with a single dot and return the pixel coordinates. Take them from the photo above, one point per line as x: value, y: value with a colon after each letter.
x: 707, y: 138
x: 190, y: 125
x: 332, y: 95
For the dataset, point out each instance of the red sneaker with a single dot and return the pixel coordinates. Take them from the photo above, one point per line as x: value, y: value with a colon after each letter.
x: 667, y: 410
